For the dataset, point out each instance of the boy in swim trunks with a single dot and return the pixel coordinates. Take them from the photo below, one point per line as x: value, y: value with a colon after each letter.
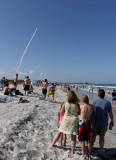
x: 85, y: 125
x: 52, y: 90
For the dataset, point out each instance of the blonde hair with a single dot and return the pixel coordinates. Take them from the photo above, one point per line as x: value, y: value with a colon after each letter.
x: 85, y: 98
x: 72, y: 97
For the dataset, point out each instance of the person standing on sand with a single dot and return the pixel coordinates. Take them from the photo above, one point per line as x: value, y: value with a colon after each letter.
x: 15, y: 81
x: 113, y: 99
x: 44, y: 88
x: 108, y: 92
x: 3, y: 82
x: 85, y: 125
x: 52, y: 90
x: 102, y: 108
x: 69, y: 124
x: 60, y: 118
x: 27, y: 84
x: 89, y: 90
x: 68, y: 88
x: 6, y: 82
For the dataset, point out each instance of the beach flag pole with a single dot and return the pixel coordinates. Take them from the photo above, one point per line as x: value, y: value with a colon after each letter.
x: 26, y: 50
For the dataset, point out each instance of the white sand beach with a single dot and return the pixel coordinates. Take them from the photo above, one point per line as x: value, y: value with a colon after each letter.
x: 28, y: 128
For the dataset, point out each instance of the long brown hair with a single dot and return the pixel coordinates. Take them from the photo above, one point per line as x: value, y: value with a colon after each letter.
x: 61, y: 105
x: 72, y: 97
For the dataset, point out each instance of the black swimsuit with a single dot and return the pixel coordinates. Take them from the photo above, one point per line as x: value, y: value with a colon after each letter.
x: 26, y: 87
x: 44, y: 90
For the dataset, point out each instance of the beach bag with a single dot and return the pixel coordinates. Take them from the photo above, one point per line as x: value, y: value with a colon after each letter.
x: 17, y: 92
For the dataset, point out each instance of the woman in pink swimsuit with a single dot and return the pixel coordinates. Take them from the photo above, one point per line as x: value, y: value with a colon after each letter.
x: 60, y: 118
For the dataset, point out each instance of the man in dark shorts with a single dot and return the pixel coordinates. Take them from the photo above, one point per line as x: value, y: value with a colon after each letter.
x: 27, y: 84
x: 15, y: 81
x: 44, y: 89
x: 102, y: 108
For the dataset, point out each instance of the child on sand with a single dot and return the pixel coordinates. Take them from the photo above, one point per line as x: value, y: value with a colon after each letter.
x: 52, y: 91
x: 85, y: 125
x: 60, y: 118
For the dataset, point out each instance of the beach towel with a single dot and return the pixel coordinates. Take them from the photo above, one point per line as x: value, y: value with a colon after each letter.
x: 8, y: 100
x: 11, y: 100
x: 84, y: 130
x: 33, y: 97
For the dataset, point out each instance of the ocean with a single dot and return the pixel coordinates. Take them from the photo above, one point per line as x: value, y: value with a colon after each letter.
x: 92, y: 89
x: 95, y: 87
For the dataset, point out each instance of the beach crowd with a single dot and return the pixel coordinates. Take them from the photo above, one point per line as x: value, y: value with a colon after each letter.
x: 27, y: 86
x: 85, y: 121
x: 82, y: 120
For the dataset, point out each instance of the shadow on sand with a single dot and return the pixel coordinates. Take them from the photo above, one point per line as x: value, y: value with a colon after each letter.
x: 109, y: 153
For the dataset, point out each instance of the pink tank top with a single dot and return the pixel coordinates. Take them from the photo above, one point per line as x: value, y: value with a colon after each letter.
x: 61, y: 117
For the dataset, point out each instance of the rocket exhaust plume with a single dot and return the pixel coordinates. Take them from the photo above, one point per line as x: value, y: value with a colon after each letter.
x: 26, y: 50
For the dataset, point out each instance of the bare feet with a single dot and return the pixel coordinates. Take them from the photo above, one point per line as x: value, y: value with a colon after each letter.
x: 72, y: 153
x: 51, y: 145
x: 83, y: 157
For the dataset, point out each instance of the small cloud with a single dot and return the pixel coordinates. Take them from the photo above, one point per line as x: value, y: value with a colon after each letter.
x: 14, y: 69
x: 32, y: 71
x: 2, y: 73
x: 41, y: 74
x: 23, y: 73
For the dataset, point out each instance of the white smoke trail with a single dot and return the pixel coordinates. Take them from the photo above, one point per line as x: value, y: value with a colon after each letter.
x: 26, y: 50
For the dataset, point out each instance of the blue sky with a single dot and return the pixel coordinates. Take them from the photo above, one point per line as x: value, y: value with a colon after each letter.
x: 75, y: 41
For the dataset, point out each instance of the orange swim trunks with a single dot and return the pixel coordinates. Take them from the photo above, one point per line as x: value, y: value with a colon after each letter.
x: 51, y: 93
